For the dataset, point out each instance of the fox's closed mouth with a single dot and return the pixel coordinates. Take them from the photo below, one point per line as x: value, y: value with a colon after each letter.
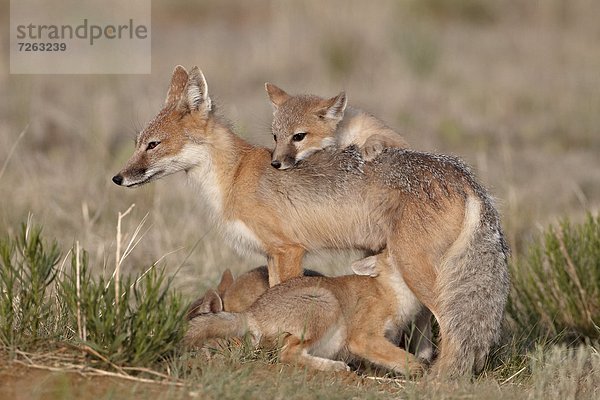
x: 148, y: 179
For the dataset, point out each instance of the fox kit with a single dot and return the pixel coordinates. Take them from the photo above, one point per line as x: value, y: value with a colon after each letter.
x: 305, y: 124
x: 434, y: 222
x: 322, y: 320
x: 237, y: 295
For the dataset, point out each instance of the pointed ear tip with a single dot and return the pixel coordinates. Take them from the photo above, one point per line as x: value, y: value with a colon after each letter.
x: 180, y: 70
x: 196, y: 72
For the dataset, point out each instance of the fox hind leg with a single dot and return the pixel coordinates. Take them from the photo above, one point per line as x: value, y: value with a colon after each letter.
x: 295, y: 350
x: 380, y: 351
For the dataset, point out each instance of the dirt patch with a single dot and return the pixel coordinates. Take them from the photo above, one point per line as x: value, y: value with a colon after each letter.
x: 19, y: 383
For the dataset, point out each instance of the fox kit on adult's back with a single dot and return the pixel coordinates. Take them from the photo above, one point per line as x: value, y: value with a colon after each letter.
x: 428, y: 214
x: 305, y: 124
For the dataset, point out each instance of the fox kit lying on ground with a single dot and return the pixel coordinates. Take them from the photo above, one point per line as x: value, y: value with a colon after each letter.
x: 304, y: 124
x: 434, y: 222
x: 320, y: 319
x: 237, y: 295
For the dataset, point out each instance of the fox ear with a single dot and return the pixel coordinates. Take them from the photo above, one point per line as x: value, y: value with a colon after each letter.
x: 277, y: 95
x: 334, y: 107
x: 226, y: 282
x: 195, y: 94
x: 178, y: 82
x: 212, y: 303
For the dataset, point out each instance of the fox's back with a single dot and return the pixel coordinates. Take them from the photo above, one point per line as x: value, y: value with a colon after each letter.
x: 335, y: 199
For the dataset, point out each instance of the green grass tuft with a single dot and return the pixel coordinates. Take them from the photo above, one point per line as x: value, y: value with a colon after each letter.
x: 556, y: 286
x: 139, y: 325
x: 27, y: 269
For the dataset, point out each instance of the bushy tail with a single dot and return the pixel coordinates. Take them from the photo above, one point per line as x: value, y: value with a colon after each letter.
x: 219, y: 325
x: 473, y: 291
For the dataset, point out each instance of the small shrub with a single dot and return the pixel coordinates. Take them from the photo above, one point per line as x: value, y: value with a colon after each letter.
x: 27, y: 271
x: 142, y: 325
x: 556, y: 286
x: 139, y: 325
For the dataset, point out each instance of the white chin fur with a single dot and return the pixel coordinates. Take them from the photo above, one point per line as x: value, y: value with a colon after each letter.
x: 306, y: 153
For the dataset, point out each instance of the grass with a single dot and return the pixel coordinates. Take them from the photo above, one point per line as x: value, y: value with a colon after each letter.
x: 66, y: 319
x: 556, y: 286
x: 41, y: 303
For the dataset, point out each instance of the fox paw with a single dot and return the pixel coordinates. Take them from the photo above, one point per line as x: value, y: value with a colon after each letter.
x: 339, y: 366
x: 416, y: 370
x: 371, y: 149
x: 366, y: 266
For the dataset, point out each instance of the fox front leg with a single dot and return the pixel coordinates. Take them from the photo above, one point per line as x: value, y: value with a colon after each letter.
x: 375, y: 144
x: 284, y: 263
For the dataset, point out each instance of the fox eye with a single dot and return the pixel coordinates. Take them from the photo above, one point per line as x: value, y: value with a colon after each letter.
x: 298, y: 136
x: 275, y: 137
x: 152, y: 145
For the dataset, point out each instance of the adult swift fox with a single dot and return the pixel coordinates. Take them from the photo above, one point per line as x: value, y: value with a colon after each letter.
x: 304, y: 124
x: 319, y: 320
x: 428, y: 214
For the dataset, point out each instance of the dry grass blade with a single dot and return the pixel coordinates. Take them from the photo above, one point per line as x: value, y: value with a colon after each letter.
x: 89, y: 350
x: 397, y: 381
x: 12, y: 150
x: 71, y: 363
x: 513, y: 376
x: 118, y: 260
x: 81, y: 328
x: 153, y: 266
x: 84, y: 370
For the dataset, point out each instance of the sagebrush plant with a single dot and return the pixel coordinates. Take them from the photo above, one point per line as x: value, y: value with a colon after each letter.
x: 27, y: 270
x: 139, y: 326
x: 556, y: 285
x: 142, y: 325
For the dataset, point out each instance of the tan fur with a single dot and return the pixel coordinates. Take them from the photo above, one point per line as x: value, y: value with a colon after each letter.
x: 324, y: 122
x: 410, y: 203
x: 238, y: 294
x: 321, y: 319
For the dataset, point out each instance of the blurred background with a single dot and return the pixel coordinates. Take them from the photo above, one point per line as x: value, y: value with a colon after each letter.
x: 511, y: 86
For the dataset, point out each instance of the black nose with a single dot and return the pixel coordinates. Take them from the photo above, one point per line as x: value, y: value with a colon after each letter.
x: 118, y: 179
x: 276, y: 164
